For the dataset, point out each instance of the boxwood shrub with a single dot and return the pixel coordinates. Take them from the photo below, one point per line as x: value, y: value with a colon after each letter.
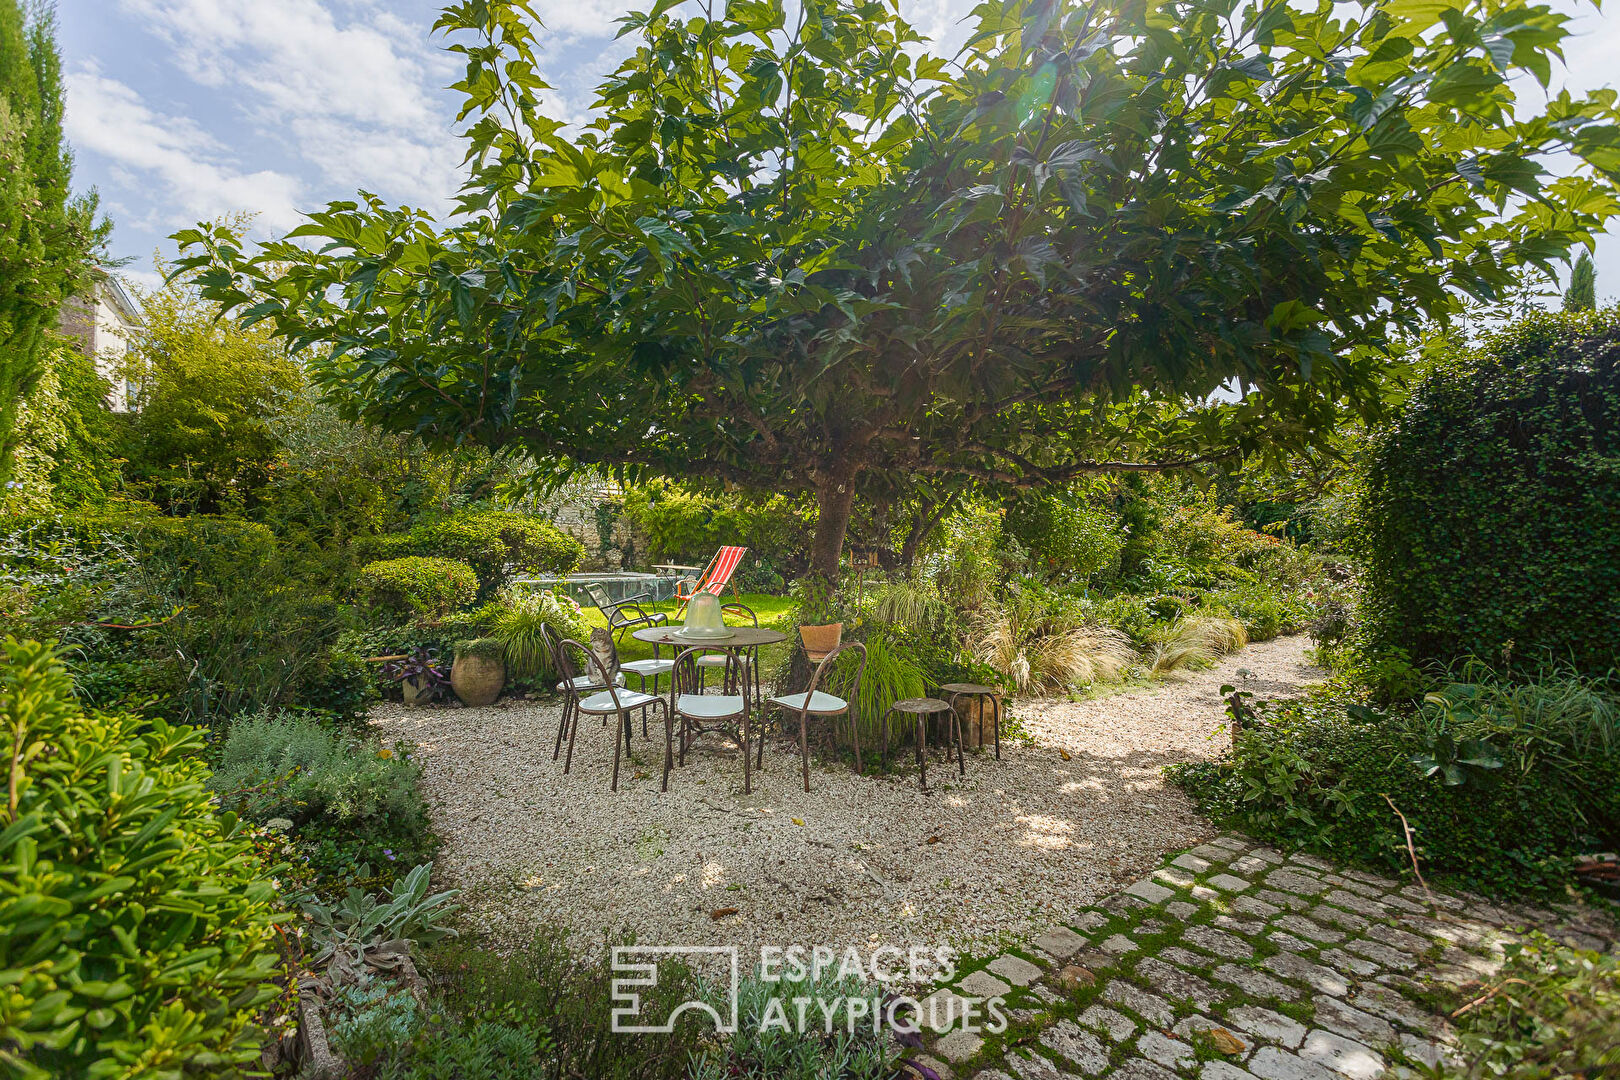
x: 418, y: 585
x: 135, y: 935
x: 1488, y: 523
x: 493, y: 542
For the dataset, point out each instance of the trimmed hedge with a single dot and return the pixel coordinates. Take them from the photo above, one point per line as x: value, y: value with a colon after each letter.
x: 135, y: 934
x: 1489, y: 522
x: 416, y: 585
x: 492, y: 542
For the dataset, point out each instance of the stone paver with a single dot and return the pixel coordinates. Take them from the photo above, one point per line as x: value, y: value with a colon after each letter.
x: 1151, y: 891
x: 1344, y: 1056
x: 1015, y: 969
x: 958, y: 1046
x: 1116, y: 1025
x: 1221, y: 944
x: 1255, y: 983
x: 1267, y: 1025
x: 1079, y: 1047
x: 1270, y: 1063
x: 1060, y: 942
x: 1172, y: 982
x: 1164, y: 1050
x: 1358, y: 952
x: 1148, y: 1006
x: 982, y: 984
x: 1342, y: 1019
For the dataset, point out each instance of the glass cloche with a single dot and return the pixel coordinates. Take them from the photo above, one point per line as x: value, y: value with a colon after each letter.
x: 703, y: 618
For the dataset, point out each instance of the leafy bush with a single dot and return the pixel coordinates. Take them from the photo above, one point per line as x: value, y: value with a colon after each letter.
x: 690, y: 526
x: 210, y: 615
x: 831, y: 1045
x: 1488, y: 521
x: 1066, y: 536
x: 1314, y: 773
x: 1551, y: 1011
x: 135, y: 936
x: 1265, y: 612
x: 418, y: 585
x: 496, y: 542
x: 351, y: 802
x: 562, y: 1002
x: 484, y: 648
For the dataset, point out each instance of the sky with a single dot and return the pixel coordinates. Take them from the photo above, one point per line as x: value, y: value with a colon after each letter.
x: 180, y: 111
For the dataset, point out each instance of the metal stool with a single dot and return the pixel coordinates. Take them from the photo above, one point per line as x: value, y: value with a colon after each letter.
x: 922, y: 708
x: 968, y: 689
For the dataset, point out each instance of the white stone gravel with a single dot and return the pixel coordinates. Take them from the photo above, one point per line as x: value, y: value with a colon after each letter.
x: 1000, y: 855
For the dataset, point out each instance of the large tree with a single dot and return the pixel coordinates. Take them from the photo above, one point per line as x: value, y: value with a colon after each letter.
x: 48, y: 239
x: 793, y: 250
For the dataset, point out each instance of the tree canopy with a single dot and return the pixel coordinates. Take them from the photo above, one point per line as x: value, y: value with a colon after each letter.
x: 1582, y: 292
x: 792, y: 249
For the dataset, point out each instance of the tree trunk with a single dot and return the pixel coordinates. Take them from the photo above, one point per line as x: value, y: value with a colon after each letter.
x: 835, y: 495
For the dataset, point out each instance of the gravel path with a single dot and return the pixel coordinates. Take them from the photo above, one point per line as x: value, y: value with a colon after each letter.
x: 975, y: 863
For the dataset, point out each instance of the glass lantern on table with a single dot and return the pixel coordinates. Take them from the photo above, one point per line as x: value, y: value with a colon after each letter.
x: 703, y: 618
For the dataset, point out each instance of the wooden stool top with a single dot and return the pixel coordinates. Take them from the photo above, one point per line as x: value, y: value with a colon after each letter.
x: 921, y: 705
x: 968, y: 688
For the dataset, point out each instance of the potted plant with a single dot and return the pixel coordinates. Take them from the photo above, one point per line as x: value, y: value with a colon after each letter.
x: 479, y: 671
x: 420, y: 675
x: 820, y: 628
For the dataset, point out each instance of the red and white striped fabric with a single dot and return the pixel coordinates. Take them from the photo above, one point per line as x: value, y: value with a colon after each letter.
x: 725, y: 564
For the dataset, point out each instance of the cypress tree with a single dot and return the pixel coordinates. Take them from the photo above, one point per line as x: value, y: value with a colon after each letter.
x: 48, y: 239
x: 1582, y: 294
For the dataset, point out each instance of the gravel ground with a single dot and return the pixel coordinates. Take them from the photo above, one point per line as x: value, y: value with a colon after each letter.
x: 974, y: 863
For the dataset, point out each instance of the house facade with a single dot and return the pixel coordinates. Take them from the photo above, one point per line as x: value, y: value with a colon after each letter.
x: 102, y: 322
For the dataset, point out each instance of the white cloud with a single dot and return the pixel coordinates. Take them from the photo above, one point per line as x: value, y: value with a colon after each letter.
x: 199, y: 179
x: 356, y: 93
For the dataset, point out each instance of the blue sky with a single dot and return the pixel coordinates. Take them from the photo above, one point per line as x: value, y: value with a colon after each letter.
x: 182, y: 110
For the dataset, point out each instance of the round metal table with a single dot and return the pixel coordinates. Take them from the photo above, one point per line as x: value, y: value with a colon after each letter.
x: 742, y: 639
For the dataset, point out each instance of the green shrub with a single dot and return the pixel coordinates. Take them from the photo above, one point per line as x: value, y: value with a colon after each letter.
x: 494, y: 542
x: 1066, y: 536
x: 209, y: 615
x: 485, y: 648
x: 1489, y: 524
x: 135, y: 936
x: 341, y: 684
x: 1314, y: 773
x: 769, y: 1040
x: 351, y: 802
x: 562, y: 1001
x: 1551, y: 1011
x: 418, y: 585
x: 690, y: 526
x: 1265, y: 612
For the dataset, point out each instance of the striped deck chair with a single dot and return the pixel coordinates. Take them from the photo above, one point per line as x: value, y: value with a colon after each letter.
x: 716, y: 576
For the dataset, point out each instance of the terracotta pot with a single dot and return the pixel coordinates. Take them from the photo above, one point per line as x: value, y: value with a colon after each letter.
x: 477, y: 680
x: 415, y: 691
x: 821, y: 640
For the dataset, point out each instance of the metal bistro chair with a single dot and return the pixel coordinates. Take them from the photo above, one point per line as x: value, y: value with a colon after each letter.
x: 614, y: 701
x: 724, y: 660
x: 613, y: 611
x: 813, y: 702
x: 570, y: 686
x: 698, y: 712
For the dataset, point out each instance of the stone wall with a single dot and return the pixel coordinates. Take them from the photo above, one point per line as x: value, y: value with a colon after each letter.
x: 592, y: 511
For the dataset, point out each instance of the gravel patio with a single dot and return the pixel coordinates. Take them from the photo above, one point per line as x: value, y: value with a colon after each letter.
x: 1060, y: 822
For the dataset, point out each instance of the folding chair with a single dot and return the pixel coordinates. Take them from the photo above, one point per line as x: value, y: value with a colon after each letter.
x: 716, y: 576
